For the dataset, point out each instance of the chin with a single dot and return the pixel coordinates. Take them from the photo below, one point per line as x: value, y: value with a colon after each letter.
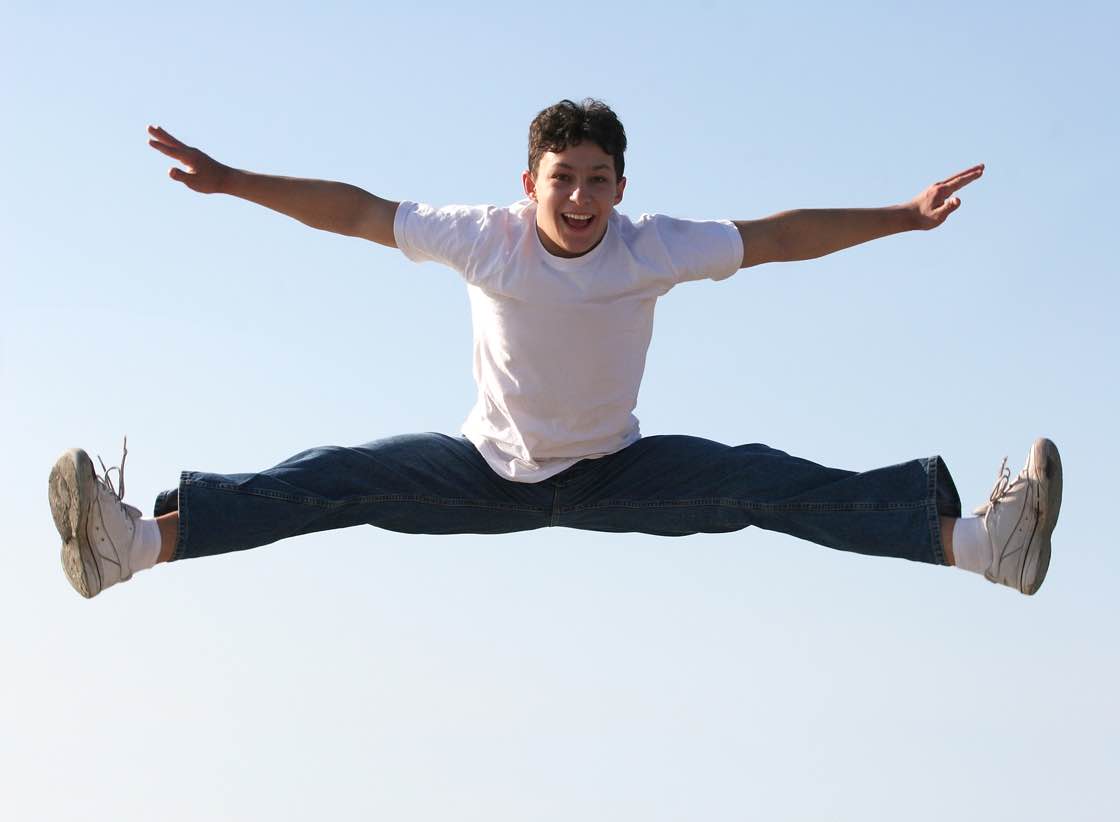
x: 580, y: 245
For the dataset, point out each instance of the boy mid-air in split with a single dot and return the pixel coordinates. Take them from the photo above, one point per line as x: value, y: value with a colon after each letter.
x: 562, y: 291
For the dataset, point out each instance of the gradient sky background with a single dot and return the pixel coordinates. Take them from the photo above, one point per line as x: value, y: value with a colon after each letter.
x: 559, y: 675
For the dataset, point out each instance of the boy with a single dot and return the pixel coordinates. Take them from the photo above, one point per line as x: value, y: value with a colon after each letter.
x: 562, y: 290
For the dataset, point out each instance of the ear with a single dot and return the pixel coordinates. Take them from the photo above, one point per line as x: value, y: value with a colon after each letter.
x: 618, y: 191
x: 530, y: 185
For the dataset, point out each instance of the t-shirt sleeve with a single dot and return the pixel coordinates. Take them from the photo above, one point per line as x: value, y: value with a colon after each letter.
x: 445, y: 235
x: 698, y: 249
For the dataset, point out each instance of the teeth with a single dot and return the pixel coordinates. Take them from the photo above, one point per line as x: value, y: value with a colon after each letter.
x: 578, y: 216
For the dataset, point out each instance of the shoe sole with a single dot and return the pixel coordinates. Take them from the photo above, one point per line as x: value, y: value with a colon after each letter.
x: 1046, y: 468
x: 70, y: 505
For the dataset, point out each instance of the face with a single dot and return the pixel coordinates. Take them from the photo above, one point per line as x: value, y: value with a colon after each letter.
x: 575, y: 190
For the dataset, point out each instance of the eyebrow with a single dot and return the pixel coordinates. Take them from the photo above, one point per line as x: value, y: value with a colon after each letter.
x: 598, y: 167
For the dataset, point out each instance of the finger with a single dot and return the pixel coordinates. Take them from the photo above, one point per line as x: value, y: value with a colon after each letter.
x: 963, y: 178
x: 947, y: 208
x: 960, y: 181
x: 176, y: 152
x: 165, y: 137
x: 975, y: 168
x: 180, y: 176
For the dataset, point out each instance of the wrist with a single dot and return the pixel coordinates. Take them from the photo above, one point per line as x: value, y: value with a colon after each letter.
x: 229, y: 180
x: 908, y: 216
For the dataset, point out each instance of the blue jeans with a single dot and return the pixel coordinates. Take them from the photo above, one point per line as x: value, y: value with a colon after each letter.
x: 664, y: 485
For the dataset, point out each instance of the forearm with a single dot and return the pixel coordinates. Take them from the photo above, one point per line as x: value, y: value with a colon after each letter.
x: 805, y: 234
x: 322, y: 204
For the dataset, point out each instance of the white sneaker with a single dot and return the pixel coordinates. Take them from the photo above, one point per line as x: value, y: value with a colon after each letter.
x: 1020, y: 516
x: 96, y: 527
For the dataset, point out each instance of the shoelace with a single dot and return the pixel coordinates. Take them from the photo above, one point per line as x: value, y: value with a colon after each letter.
x: 1003, y: 480
x: 105, y: 480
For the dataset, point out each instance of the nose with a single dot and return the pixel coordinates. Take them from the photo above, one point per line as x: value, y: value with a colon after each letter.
x: 579, y: 194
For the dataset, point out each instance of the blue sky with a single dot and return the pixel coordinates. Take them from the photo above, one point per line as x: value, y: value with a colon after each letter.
x: 559, y: 674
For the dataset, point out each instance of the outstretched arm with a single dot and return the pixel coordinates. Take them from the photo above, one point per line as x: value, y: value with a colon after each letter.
x: 813, y: 232
x: 322, y: 204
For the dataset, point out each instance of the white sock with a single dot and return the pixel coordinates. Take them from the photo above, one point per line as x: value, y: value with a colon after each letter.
x: 971, y: 546
x: 145, y: 545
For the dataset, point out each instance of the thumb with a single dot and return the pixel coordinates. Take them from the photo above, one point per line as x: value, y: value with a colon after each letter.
x: 949, y: 206
x: 176, y: 173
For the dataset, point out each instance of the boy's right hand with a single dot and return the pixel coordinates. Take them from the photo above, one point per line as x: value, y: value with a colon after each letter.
x: 204, y: 174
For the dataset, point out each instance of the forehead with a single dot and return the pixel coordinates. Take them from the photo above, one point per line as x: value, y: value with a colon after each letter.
x: 586, y: 156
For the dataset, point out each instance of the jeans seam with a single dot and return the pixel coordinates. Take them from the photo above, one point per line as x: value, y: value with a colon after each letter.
x: 802, y: 507
x: 932, y: 513
x: 374, y: 498
x: 184, y: 516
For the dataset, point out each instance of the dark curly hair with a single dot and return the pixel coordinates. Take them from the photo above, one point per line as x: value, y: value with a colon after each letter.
x: 568, y: 124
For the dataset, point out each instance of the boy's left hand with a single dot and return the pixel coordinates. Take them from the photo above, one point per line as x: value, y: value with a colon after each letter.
x: 933, y: 205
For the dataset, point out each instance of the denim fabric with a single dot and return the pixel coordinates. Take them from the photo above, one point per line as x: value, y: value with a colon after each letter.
x: 664, y: 485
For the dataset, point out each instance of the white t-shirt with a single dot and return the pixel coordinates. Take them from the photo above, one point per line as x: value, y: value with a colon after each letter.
x: 560, y: 343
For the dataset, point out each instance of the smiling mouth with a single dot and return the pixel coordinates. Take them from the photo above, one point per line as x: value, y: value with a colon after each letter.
x: 578, y: 222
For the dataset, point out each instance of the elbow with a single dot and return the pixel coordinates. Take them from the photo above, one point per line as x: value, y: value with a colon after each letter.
x: 763, y: 242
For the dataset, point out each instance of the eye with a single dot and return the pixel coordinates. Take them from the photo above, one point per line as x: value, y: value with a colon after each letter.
x: 560, y: 176
x: 599, y: 179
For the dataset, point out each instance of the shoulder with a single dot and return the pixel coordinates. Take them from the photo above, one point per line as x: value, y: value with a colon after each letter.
x: 684, y: 231
x: 459, y: 235
x: 691, y: 248
x: 662, y: 230
x: 417, y: 222
x: 447, y: 214
x: 468, y: 218
x: 667, y: 225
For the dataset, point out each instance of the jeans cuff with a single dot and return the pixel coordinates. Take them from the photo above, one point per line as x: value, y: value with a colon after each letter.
x: 943, y: 501
x: 167, y: 502
x: 182, y: 500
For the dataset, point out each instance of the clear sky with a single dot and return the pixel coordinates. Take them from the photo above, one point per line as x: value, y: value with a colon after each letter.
x: 559, y: 675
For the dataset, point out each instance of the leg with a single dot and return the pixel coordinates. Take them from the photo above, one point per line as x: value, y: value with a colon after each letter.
x: 947, y: 526
x: 417, y: 483
x: 420, y: 483
x: 678, y: 485
x: 168, y: 536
